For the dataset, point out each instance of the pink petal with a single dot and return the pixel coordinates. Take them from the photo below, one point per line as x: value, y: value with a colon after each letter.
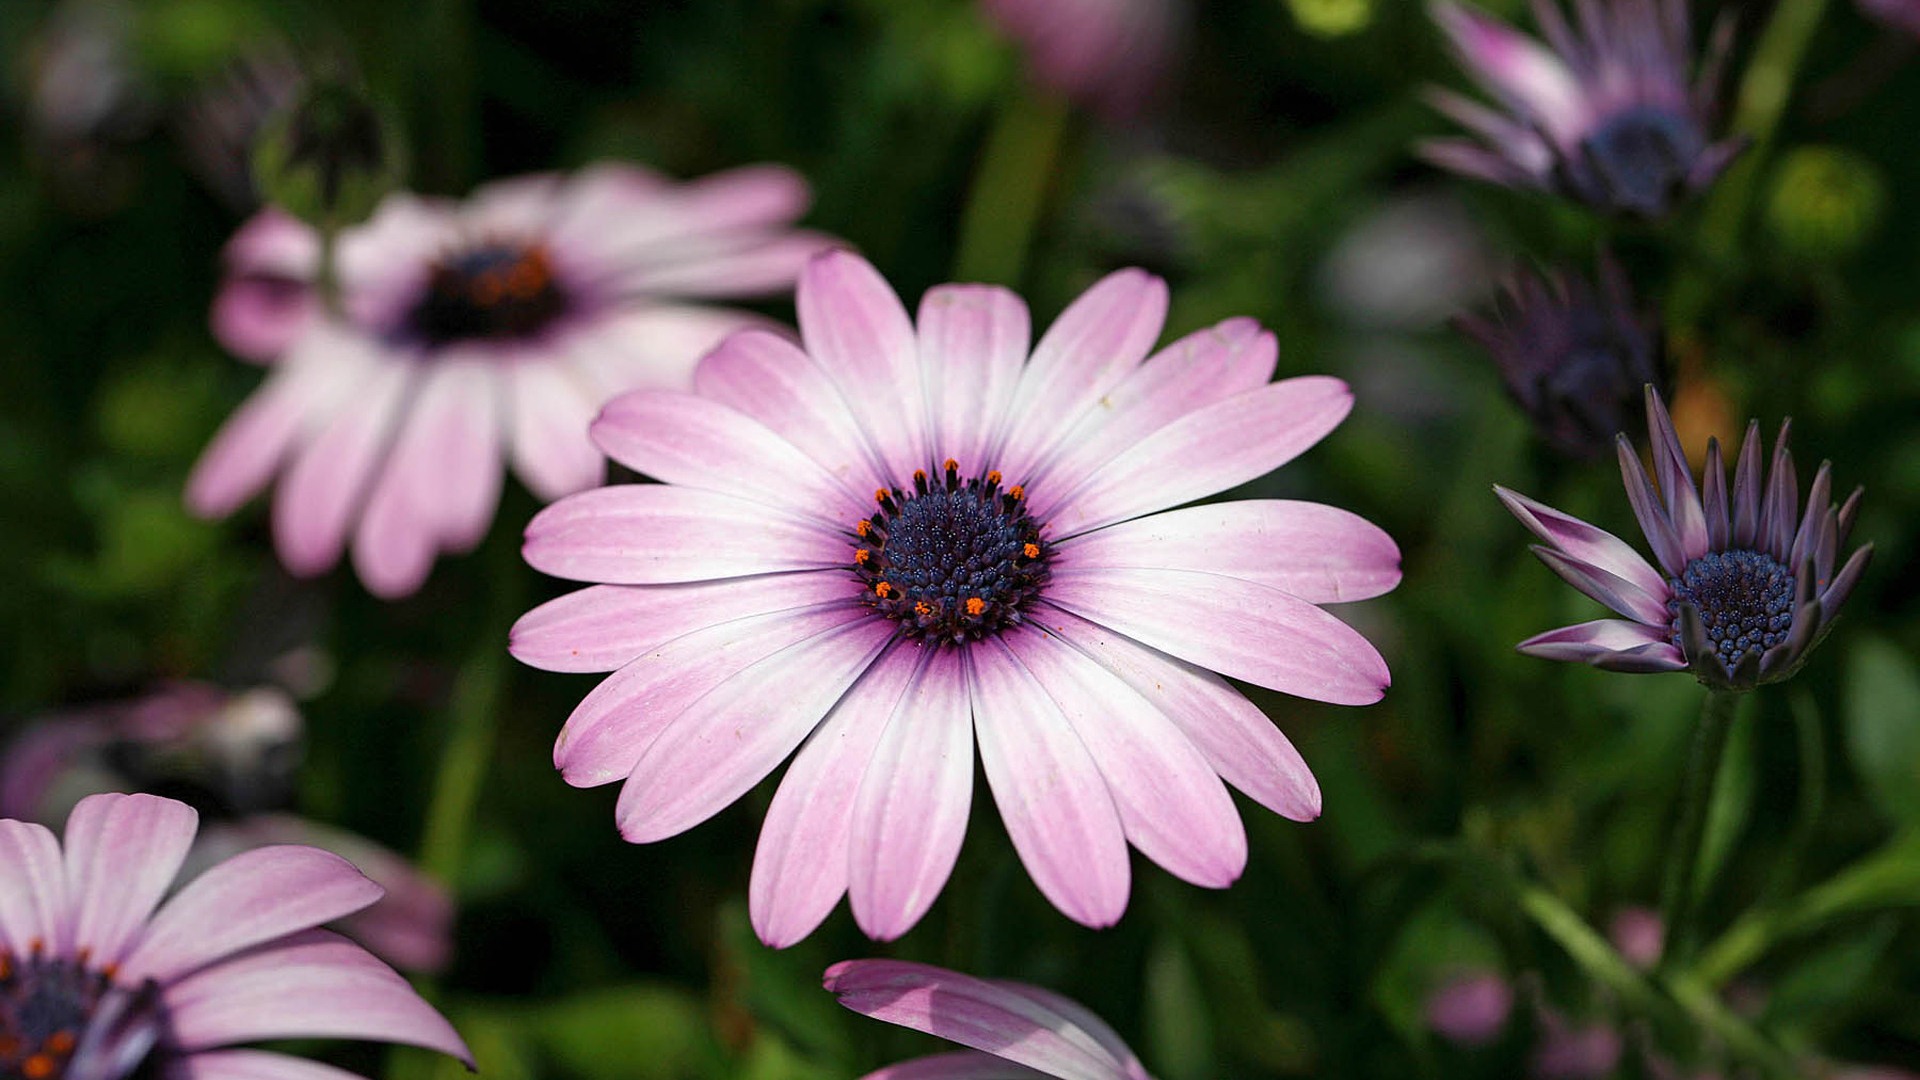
x: 1055, y: 805
x: 1676, y: 479
x: 1584, y: 642
x: 1172, y: 804
x: 259, y: 318
x: 318, y: 985
x: 615, y: 724
x: 856, y: 329
x: 654, y: 347
x: 964, y: 1065
x: 1617, y: 594
x: 1101, y: 337
x: 768, y: 378
x: 911, y: 813
x: 549, y: 406
x: 683, y: 438
x: 604, y: 627
x: 1083, y: 1018
x: 273, y: 243
x: 250, y: 1065
x: 1206, y: 452
x: 655, y: 534
x: 122, y: 853
x: 756, y: 266
x: 252, y: 898
x: 517, y: 206
x: 1519, y: 69
x: 1237, y: 628
x: 976, y: 1013
x: 637, y: 215
x: 1586, y: 542
x: 731, y: 738
x: 1319, y: 553
x: 1198, y: 370
x: 439, y: 485
x: 34, y: 906
x: 301, y: 394
x: 315, y: 502
x: 1238, y: 740
x: 972, y: 342
x: 800, y: 867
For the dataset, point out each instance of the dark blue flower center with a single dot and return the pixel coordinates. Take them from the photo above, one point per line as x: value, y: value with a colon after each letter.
x: 56, y: 1010
x: 1745, y: 600
x: 954, y: 561
x: 1643, y: 156
x: 490, y: 291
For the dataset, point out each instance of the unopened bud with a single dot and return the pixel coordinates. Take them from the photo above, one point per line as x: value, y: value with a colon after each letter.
x: 329, y: 157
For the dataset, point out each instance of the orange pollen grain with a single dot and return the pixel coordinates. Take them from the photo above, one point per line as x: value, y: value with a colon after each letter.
x: 923, y: 608
x: 1031, y: 551
x: 61, y: 1043
x: 919, y: 474
x: 883, y: 590
x: 862, y: 556
x: 993, y: 477
x: 880, y: 495
x: 976, y: 606
x: 864, y: 528
x: 1017, y: 492
x: 949, y: 465
x: 37, y: 1067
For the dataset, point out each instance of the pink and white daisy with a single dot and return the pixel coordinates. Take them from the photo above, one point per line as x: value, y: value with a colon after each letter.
x: 96, y: 984
x: 1017, y: 1031
x: 472, y: 332
x: 896, y: 542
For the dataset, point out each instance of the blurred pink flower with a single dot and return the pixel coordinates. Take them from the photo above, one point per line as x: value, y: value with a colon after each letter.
x: 94, y: 982
x: 1109, y: 55
x: 1639, y: 935
x: 1471, y: 1010
x: 1016, y: 1030
x: 1899, y: 14
x: 899, y: 542
x: 470, y: 333
x: 1570, y: 1052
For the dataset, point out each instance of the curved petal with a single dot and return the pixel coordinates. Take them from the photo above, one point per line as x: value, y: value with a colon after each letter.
x: 858, y: 331
x: 1101, y: 337
x: 1604, y: 587
x: 1588, y: 543
x: 250, y: 899
x: 257, y: 317
x: 768, y: 378
x: 315, y: 502
x: 1206, y: 452
x: 34, y: 906
x: 1172, y: 804
x: 972, y: 342
x: 738, y: 732
x: 1236, y: 628
x: 800, y: 865
x: 122, y: 853
x: 605, y: 627
x: 317, y: 985
x: 1520, y: 70
x: 1051, y: 796
x: 686, y: 439
x: 657, y: 534
x: 1318, y: 553
x: 1588, y: 641
x: 1239, y: 741
x: 651, y: 346
x: 964, y: 1065
x: 250, y: 1065
x: 1676, y: 480
x: 910, y: 814
x: 973, y: 1012
x: 615, y: 724
x: 1654, y: 523
x: 549, y: 406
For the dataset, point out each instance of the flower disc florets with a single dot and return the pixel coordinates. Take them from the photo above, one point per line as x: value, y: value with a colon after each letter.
x: 493, y: 290
x: 1745, y: 601
x: 53, y: 1008
x: 954, y: 561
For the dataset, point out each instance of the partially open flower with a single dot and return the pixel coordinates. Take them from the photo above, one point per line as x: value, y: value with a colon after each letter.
x: 1609, y: 116
x: 1574, y: 356
x: 1746, y: 584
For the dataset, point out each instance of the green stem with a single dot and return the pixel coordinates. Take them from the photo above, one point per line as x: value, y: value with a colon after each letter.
x: 1677, y: 894
x: 451, y: 133
x: 1009, y: 190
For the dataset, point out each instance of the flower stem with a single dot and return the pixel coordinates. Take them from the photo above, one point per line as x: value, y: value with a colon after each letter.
x: 1683, y: 858
x: 1009, y: 189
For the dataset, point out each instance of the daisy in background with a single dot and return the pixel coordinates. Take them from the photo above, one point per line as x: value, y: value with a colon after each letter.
x: 1016, y: 1030
x: 896, y: 542
x: 468, y: 334
x: 1108, y: 55
x: 95, y: 984
x: 1746, y: 584
x: 1611, y: 116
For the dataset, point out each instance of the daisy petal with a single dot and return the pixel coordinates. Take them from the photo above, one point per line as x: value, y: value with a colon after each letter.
x: 250, y: 1065
x: 964, y: 1065
x: 1515, y: 67
x: 738, y: 732
x: 1172, y: 804
x: 654, y: 534
x: 548, y: 409
x: 651, y: 345
x: 1318, y: 553
x: 252, y: 898
x: 1206, y: 452
x: 318, y: 985
x: 1604, y: 587
x: 1676, y: 480
x: 316, y: 500
x: 768, y: 378
x: 1588, y: 543
x: 122, y: 853
x: 1237, y: 628
x: 33, y: 889
x: 912, y: 807
x: 1051, y: 796
x: 858, y: 331
x: 800, y: 867
x: 1584, y: 642
x: 972, y: 342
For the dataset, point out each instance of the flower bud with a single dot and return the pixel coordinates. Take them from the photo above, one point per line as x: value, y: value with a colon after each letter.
x: 329, y: 157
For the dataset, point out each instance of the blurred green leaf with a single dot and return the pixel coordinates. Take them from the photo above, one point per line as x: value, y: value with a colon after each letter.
x: 1179, y: 1023
x: 1829, y: 979
x: 1883, y: 726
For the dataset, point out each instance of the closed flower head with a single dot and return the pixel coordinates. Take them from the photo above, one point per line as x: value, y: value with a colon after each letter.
x: 897, y: 542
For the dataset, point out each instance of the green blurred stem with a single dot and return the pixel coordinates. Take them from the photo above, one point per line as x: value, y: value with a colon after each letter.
x: 1683, y: 858
x: 1009, y: 189
x: 447, y: 81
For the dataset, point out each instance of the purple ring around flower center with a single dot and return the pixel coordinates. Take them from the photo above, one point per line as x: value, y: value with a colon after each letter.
x: 955, y: 561
x: 1745, y: 600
